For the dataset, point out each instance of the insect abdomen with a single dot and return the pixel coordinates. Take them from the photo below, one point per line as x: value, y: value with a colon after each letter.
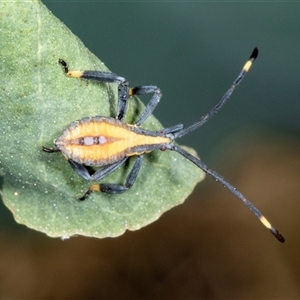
x: 99, y: 141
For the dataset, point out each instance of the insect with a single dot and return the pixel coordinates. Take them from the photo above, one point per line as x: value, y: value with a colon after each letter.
x: 109, y: 142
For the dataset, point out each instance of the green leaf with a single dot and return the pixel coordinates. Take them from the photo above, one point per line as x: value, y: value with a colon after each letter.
x: 37, y: 101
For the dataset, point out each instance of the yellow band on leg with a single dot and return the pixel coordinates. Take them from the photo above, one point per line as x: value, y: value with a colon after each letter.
x: 95, y: 188
x: 130, y: 92
x: 75, y: 74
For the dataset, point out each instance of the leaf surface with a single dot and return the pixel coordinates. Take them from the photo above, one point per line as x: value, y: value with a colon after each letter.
x: 37, y: 101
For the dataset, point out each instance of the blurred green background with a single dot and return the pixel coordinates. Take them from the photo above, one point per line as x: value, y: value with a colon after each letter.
x: 211, y: 246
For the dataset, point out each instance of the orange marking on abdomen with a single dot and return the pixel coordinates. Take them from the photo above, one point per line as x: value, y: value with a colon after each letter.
x: 99, y: 141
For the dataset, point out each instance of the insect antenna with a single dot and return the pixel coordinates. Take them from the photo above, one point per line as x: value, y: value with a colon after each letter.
x: 223, y: 100
x: 211, y: 172
x: 231, y: 188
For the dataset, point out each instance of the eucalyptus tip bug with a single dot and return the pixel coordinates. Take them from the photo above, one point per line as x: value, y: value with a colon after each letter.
x: 108, y: 143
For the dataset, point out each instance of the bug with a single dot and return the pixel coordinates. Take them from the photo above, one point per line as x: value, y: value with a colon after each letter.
x: 108, y: 142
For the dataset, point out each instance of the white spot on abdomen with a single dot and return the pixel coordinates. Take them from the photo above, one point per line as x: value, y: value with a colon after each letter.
x: 102, y: 140
x: 88, y: 141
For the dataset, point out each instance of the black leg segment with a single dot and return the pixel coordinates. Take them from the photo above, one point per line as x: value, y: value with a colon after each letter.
x: 112, y: 188
x: 143, y: 90
x: 93, y: 75
x: 123, y: 94
x: 123, y: 90
x: 50, y: 150
x: 82, y: 171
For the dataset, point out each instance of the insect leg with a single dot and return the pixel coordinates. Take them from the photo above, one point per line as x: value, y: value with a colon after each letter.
x: 111, y: 188
x: 99, y: 174
x: 171, y: 130
x: 82, y: 171
x: 231, y: 188
x: 107, y: 77
x: 50, y: 150
x: 94, y: 75
x: 123, y: 94
x: 143, y: 90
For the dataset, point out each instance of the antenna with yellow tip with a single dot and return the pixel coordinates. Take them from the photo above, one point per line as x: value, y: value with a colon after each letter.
x: 212, y: 173
x: 223, y: 100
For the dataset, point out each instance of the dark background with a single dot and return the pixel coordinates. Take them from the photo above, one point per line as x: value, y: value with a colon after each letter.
x: 211, y: 246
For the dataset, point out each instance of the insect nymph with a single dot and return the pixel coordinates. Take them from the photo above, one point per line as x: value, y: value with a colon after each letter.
x: 107, y: 142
